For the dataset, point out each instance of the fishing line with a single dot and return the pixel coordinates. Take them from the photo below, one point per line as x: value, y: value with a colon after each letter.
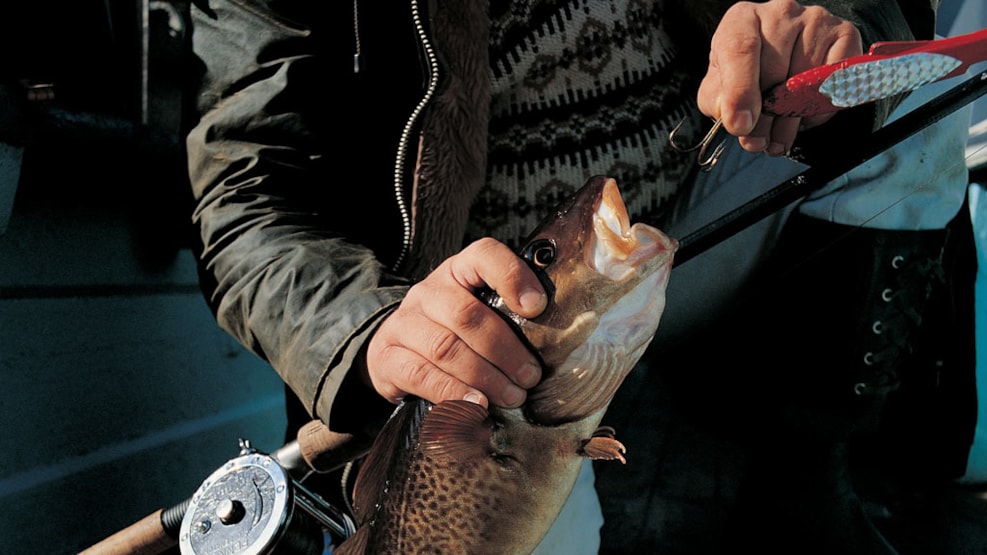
x: 863, y: 225
x: 914, y: 190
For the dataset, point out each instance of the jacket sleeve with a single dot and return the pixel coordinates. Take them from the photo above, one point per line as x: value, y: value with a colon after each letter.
x: 881, y: 20
x: 279, y: 279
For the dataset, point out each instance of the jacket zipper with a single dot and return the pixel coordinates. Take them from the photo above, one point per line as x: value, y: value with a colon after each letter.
x: 405, y: 142
x: 356, y: 35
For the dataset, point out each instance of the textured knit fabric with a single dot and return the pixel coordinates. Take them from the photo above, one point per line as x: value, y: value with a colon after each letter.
x: 578, y: 89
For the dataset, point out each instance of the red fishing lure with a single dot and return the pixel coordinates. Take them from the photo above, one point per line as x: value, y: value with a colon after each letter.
x: 888, y: 68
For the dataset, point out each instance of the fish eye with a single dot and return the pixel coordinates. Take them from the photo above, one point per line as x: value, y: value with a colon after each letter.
x: 541, y: 253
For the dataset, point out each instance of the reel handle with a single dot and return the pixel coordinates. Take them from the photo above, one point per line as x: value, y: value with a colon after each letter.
x: 320, y: 449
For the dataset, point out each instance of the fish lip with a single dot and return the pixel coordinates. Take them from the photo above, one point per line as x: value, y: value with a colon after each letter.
x: 611, y: 224
x: 619, y: 247
x: 612, y: 210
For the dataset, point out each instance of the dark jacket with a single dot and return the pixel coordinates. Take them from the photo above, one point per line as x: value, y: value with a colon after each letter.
x: 305, y: 173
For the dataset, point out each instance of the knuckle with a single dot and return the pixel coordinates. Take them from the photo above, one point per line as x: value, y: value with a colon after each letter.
x: 515, y: 265
x: 444, y: 346
x: 741, y: 9
x: 391, y: 393
x: 818, y: 14
x: 791, y: 9
x: 414, y: 298
x: 738, y: 43
x: 468, y: 316
x: 445, y: 389
x: 485, y: 243
x: 379, y: 364
x: 483, y: 247
x: 416, y: 373
x: 491, y: 249
x: 432, y: 383
x: 849, y: 33
x: 386, y: 387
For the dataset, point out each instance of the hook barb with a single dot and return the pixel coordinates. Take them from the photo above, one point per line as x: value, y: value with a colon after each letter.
x: 706, y: 161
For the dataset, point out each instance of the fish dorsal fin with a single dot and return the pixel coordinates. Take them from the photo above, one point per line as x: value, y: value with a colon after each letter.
x: 355, y: 544
x: 456, y: 430
x: 387, y: 451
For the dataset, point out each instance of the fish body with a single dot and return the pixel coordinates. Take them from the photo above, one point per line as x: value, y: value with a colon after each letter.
x: 457, y: 478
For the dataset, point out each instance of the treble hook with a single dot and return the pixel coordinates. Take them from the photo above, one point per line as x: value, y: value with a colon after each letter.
x: 705, y: 162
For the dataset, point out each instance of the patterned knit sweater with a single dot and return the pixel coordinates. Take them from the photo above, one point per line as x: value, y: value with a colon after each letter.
x: 579, y: 88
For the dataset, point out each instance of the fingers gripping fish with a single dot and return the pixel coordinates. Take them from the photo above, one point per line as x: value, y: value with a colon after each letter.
x: 457, y: 478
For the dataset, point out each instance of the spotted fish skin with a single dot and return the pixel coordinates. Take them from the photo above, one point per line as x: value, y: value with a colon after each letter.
x: 457, y: 478
x: 500, y: 492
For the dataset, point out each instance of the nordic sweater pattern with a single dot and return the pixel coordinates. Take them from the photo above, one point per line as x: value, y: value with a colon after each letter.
x: 580, y: 88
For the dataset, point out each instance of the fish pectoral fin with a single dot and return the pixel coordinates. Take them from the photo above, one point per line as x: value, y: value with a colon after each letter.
x: 603, y: 446
x: 355, y: 544
x: 456, y: 430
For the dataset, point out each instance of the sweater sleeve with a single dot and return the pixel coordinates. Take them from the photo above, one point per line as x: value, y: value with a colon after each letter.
x: 285, y: 284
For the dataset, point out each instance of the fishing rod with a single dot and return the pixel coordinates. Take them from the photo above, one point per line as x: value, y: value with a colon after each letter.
x: 255, y: 503
x: 826, y: 170
x: 888, y: 68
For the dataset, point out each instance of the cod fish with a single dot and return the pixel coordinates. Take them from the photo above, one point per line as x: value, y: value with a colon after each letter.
x: 457, y: 478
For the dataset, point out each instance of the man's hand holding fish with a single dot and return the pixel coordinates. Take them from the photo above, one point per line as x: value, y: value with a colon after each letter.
x: 442, y: 342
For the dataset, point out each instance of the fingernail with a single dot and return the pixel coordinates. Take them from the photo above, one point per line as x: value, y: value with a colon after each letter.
x: 474, y: 397
x: 755, y: 144
x: 528, y: 374
x: 776, y: 149
x: 744, y: 122
x: 532, y: 299
x: 513, y: 396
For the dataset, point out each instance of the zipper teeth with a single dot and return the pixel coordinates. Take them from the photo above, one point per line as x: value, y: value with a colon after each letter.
x: 403, y: 144
x: 356, y: 34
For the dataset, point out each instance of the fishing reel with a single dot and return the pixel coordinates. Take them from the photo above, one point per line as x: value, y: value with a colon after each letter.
x: 252, y: 505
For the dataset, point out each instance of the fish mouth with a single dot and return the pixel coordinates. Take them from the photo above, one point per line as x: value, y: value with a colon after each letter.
x: 609, y: 279
x: 619, y: 248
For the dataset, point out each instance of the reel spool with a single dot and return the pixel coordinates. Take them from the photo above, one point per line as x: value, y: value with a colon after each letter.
x: 252, y: 506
